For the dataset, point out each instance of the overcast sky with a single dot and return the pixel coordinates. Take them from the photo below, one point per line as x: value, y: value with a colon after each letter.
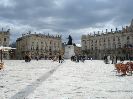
x: 74, y: 17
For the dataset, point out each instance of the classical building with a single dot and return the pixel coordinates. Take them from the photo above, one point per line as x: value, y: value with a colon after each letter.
x: 118, y: 43
x: 4, y: 41
x: 77, y: 50
x: 41, y: 45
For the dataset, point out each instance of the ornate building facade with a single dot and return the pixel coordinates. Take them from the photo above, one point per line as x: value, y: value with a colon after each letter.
x: 4, y: 41
x: 43, y: 46
x: 118, y: 43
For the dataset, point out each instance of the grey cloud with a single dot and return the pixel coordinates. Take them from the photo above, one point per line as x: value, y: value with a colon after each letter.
x: 62, y: 16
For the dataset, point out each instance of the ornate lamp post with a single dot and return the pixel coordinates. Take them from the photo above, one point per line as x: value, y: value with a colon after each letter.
x: 1, y: 63
x: 1, y: 55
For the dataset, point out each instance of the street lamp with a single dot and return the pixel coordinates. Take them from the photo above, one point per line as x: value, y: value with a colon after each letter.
x: 1, y: 55
x: 1, y: 63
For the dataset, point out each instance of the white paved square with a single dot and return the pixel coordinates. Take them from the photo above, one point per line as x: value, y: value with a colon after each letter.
x: 45, y: 79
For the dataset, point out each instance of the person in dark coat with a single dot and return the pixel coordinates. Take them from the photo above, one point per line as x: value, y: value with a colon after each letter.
x: 27, y: 58
x: 112, y: 58
x: 60, y: 59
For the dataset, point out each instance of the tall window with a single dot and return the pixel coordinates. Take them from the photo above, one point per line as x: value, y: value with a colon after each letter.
x: 4, y: 39
x: 104, y: 40
x: 37, y: 47
x: 41, y: 45
x: 128, y: 39
x: 32, y: 43
x: 0, y: 41
x: 113, y: 38
x: 50, y: 42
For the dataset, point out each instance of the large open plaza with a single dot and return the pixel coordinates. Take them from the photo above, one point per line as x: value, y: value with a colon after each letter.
x: 66, y: 49
x: 47, y: 79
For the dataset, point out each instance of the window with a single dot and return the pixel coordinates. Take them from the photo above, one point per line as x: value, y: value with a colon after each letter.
x: 104, y: 40
x: 4, y: 39
x: 118, y: 39
x: 42, y: 47
x: 32, y: 43
x: 128, y: 38
x: 113, y: 38
x: 85, y: 42
x: 119, y: 46
x: 108, y: 40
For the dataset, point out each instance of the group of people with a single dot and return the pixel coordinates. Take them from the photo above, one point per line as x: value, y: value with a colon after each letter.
x: 77, y: 58
x: 27, y: 58
x: 108, y: 58
x: 58, y: 58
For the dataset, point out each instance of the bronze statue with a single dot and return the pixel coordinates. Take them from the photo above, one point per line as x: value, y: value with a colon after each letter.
x: 70, y: 40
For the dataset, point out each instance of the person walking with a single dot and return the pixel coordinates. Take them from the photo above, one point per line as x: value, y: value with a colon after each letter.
x: 60, y: 59
x: 112, y: 58
x: 27, y: 58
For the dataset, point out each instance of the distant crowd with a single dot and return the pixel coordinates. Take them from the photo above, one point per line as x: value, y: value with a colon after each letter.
x: 113, y: 59
x: 76, y: 58
x: 58, y: 58
x: 82, y: 58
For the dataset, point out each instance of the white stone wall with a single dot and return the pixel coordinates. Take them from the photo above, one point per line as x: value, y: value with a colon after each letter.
x: 108, y: 41
x: 38, y: 44
x: 4, y: 41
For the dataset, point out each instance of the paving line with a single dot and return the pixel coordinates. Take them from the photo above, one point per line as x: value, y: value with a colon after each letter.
x: 30, y: 88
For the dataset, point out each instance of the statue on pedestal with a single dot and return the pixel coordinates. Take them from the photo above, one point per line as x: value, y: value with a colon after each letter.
x: 70, y: 40
x: 69, y: 49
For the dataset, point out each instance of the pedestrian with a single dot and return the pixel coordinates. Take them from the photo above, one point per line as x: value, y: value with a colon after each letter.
x: 115, y: 59
x: 60, y: 59
x: 108, y: 59
x: 91, y: 58
x: 27, y: 58
x: 77, y: 58
x: 37, y: 58
x: 112, y: 60
x: 105, y: 59
x: 55, y: 58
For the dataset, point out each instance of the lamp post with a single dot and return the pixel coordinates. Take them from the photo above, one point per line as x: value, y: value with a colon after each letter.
x: 1, y: 55
x: 1, y: 64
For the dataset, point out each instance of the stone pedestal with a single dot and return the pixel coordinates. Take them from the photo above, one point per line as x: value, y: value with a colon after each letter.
x: 69, y: 51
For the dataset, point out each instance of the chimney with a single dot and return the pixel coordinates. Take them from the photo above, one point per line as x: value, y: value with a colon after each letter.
x: 8, y: 30
x: 98, y: 32
x: 111, y: 31
x: 106, y: 30
x: 116, y: 29
x: 29, y: 32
